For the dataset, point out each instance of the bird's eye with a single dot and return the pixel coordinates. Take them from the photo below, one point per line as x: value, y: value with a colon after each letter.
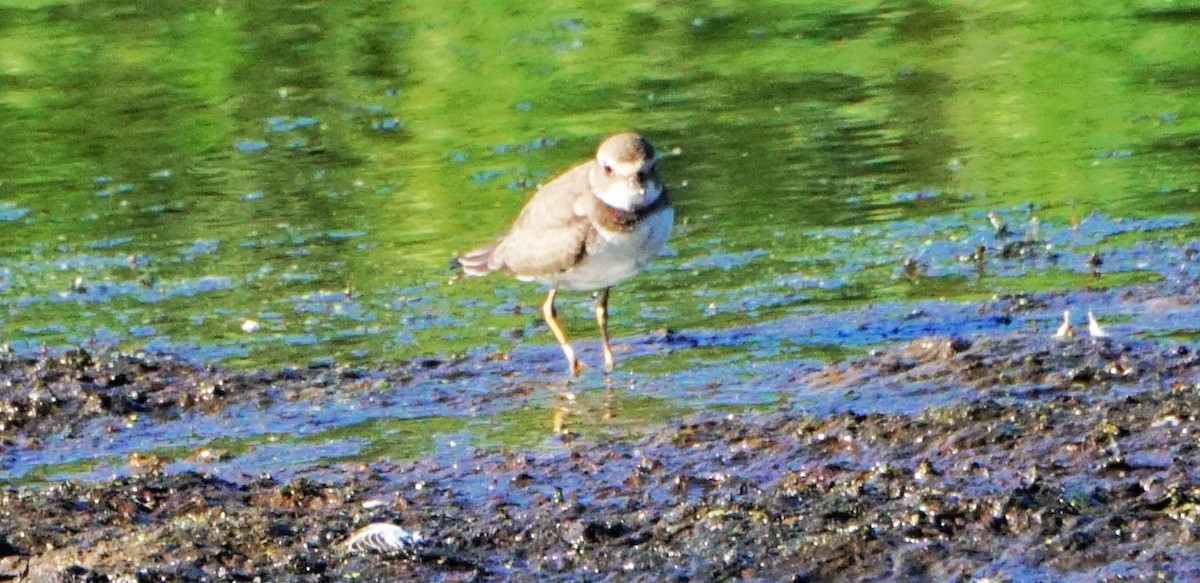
x: 608, y: 170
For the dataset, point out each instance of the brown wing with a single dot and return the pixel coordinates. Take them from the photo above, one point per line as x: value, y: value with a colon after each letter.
x: 548, y: 236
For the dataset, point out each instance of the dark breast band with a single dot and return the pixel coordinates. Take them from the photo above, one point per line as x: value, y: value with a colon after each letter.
x: 615, y: 219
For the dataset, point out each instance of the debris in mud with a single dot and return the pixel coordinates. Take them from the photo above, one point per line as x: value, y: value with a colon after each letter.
x: 61, y: 393
x: 1001, y: 364
x: 1087, y: 475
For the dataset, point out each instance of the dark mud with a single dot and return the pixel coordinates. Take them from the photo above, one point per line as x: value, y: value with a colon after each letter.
x: 1072, y: 460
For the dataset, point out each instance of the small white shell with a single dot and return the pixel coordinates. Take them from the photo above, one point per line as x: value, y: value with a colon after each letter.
x: 382, y: 537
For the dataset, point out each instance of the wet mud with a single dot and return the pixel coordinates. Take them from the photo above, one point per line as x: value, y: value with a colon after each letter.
x: 1059, y: 459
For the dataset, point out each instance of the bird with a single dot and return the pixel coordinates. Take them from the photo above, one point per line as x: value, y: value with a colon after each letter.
x: 1066, y: 330
x: 1095, y: 330
x: 589, y: 229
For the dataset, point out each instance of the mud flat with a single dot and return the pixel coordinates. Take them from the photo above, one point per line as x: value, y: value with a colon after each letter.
x: 1073, y: 460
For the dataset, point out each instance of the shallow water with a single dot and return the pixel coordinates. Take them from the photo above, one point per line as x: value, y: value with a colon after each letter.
x: 171, y: 171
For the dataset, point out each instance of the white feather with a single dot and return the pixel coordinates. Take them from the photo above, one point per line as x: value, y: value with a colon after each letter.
x: 383, y: 537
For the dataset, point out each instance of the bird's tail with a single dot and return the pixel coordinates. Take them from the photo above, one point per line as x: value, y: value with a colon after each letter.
x: 476, y: 262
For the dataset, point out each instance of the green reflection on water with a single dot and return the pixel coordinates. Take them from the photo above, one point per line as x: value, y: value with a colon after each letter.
x: 590, y: 414
x: 45, y: 473
x: 360, y: 145
x: 172, y: 170
x: 396, y: 439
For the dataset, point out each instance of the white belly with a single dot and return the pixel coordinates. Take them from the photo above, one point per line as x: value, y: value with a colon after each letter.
x: 618, y: 256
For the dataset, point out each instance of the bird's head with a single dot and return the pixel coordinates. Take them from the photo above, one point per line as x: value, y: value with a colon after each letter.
x: 625, y: 175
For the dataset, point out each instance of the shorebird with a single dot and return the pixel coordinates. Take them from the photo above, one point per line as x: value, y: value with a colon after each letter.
x: 1066, y: 330
x: 588, y: 229
x: 1095, y: 330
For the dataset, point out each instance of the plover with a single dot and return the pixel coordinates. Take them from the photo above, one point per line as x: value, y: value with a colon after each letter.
x: 589, y: 229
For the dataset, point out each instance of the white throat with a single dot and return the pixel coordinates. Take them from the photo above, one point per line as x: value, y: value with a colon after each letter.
x: 620, y: 195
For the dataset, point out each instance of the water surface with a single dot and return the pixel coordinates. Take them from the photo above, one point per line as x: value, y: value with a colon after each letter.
x: 172, y: 170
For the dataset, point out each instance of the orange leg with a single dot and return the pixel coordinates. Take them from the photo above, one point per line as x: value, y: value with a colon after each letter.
x: 549, y: 313
x: 602, y: 320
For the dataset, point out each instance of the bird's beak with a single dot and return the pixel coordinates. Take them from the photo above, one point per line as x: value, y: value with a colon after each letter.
x: 636, y: 184
x: 641, y: 181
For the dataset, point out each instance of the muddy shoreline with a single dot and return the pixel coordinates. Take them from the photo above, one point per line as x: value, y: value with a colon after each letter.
x: 1074, y: 461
